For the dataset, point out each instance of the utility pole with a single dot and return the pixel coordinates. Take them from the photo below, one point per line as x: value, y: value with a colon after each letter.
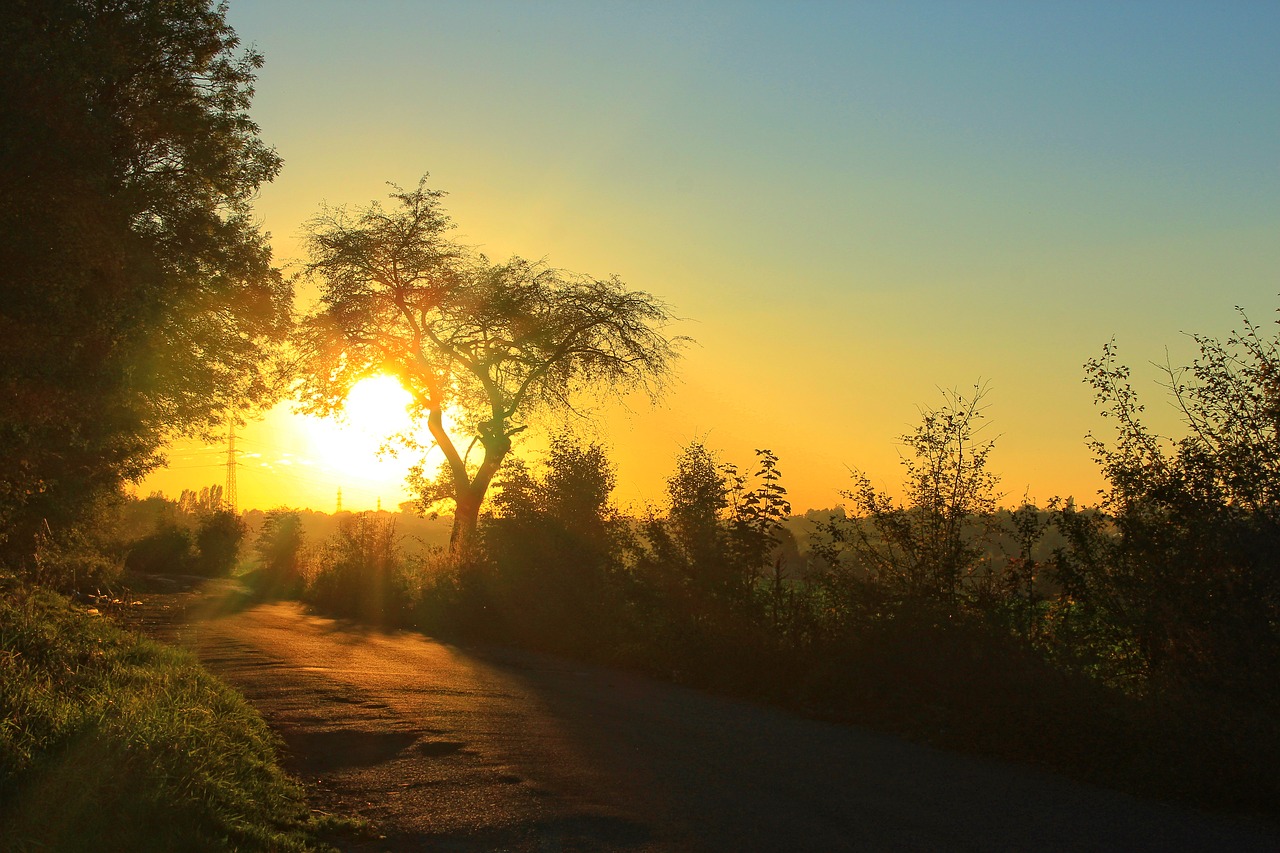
x: 339, y: 508
x: 229, y: 498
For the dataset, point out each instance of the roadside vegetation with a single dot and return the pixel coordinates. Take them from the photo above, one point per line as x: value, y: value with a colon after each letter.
x: 113, y: 742
x: 138, y: 302
x: 1135, y: 643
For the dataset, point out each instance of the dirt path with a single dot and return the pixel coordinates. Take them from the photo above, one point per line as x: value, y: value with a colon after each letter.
x: 453, y: 749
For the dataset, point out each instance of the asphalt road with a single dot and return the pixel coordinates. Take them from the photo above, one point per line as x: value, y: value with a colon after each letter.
x: 453, y: 749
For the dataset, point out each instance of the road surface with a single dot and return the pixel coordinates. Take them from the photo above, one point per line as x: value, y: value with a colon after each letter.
x: 453, y: 749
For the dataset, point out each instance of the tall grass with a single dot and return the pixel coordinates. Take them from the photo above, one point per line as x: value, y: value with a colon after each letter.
x: 111, y: 742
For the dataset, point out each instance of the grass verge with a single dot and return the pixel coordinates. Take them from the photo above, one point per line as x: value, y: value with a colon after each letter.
x: 112, y: 742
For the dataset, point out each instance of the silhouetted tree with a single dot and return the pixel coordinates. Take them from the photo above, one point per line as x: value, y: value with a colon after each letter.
x: 757, y: 515
x: 1187, y: 571
x: 137, y: 298
x: 719, y: 535
x: 926, y: 548
x: 218, y: 540
x: 167, y: 550
x: 553, y: 539
x: 698, y: 493
x: 278, y: 545
x: 490, y: 344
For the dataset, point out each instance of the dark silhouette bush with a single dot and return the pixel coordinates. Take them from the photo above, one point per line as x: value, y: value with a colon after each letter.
x: 167, y: 551
x: 218, y: 538
x: 360, y: 572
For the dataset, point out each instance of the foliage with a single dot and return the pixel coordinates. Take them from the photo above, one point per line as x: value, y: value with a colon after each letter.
x: 757, y: 515
x: 192, y: 535
x: 360, y: 572
x: 707, y: 579
x: 490, y: 343
x: 169, y: 550
x: 206, y: 501
x: 694, y: 542
x: 279, y: 545
x: 1132, y: 644
x: 115, y: 743
x: 138, y: 296
x: 218, y: 541
x: 929, y: 550
x: 719, y: 534
x: 1186, y: 572
x: 1021, y: 662
x: 552, y: 541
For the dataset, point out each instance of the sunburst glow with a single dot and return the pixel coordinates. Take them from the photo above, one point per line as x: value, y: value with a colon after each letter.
x: 378, y: 404
x: 376, y: 410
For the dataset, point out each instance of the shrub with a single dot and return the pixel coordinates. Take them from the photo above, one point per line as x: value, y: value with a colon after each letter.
x: 168, y: 550
x: 279, y: 546
x: 360, y: 572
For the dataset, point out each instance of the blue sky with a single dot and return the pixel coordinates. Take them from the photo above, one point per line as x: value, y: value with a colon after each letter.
x: 853, y: 204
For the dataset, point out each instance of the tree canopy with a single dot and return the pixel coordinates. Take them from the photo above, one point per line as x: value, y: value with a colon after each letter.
x: 490, y: 343
x: 139, y: 300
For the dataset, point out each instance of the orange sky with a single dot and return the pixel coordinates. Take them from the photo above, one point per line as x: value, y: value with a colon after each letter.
x: 852, y: 205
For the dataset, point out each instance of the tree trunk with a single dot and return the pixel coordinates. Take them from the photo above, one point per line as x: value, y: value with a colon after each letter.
x: 466, y: 520
x: 467, y: 499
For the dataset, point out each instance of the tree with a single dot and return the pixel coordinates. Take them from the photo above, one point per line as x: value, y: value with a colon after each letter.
x: 698, y: 492
x: 1187, y: 569
x: 757, y: 516
x: 553, y: 540
x: 278, y: 545
x: 491, y: 344
x: 218, y: 539
x: 137, y: 297
x: 923, y: 549
x: 719, y: 534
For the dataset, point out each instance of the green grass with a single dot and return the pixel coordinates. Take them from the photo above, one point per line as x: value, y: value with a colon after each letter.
x: 112, y: 742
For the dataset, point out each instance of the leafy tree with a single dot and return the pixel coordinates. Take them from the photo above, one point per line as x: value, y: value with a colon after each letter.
x: 720, y: 533
x: 137, y: 298
x: 698, y: 494
x: 1186, y: 571
x: 758, y: 514
x: 758, y: 533
x: 207, y: 500
x: 490, y: 344
x: 278, y: 545
x: 926, y: 548
x: 553, y: 538
x: 168, y: 550
x: 218, y: 539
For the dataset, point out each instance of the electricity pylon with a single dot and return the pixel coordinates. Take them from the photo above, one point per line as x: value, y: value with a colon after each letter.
x: 229, y: 498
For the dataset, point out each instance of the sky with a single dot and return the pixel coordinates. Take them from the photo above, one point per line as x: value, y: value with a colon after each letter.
x: 851, y: 206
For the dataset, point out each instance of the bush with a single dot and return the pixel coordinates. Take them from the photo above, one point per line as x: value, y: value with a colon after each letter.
x: 361, y: 572
x: 552, y: 553
x: 218, y: 543
x: 169, y: 550
x: 279, y: 546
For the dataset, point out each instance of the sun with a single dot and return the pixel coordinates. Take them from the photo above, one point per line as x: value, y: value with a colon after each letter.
x: 378, y: 405
x: 348, y: 445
